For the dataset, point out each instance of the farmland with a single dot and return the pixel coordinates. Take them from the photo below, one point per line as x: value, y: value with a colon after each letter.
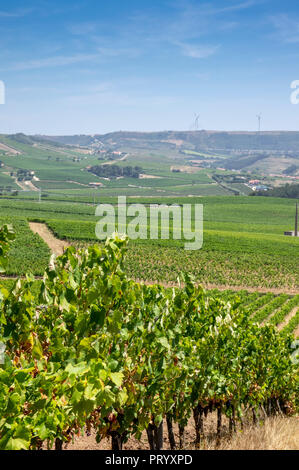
x: 142, y: 306
x: 128, y: 363
x: 29, y: 253
x: 149, y: 229
x: 235, y: 252
x: 168, y: 172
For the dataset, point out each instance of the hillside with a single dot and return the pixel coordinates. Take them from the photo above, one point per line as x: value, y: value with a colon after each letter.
x: 170, y: 163
x: 213, y: 140
x: 252, y: 151
x: 290, y: 191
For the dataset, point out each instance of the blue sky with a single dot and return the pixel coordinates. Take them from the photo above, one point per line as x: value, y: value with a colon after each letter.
x: 95, y: 66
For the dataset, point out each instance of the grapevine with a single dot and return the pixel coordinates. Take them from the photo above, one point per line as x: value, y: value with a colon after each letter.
x: 94, y: 349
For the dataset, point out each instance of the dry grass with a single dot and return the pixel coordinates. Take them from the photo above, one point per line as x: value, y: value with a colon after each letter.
x: 274, y: 434
x: 278, y: 433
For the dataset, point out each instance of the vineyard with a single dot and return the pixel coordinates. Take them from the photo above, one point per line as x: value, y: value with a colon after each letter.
x: 244, y: 245
x: 91, y: 349
x: 28, y: 252
x: 149, y: 247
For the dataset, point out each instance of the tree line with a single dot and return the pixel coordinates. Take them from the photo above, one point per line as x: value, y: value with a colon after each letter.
x: 115, y: 171
x: 290, y: 191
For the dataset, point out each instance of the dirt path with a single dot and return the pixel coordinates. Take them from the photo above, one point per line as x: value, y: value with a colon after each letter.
x: 113, y: 162
x: 56, y: 246
x: 287, y: 319
x: 29, y: 185
x: 26, y: 185
x: 11, y: 150
x: 261, y: 290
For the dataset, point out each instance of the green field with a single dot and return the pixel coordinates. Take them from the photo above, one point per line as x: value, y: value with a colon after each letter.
x: 261, y: 307
x: 28, y: 253
x: 94, y: 347
x: 243, y: 241
x: 64, y: 169
x: 6, y: 180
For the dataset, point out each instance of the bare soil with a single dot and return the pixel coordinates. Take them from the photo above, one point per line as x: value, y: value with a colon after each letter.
x: 148, y: 177
x: 185, y: 169
x: 11, y: 150
x: 278, y: 433
x: 114, y: 162
x: 56, y: 246
x: 26, y: 185
x: 287, y: 319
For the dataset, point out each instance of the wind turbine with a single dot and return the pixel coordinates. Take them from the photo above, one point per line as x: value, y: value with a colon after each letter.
x: 259, y: 117
x: 194, y: 126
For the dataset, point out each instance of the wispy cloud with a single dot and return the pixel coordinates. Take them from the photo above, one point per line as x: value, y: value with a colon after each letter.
x: 236, y: 7
x: 188, y: 25
x: 202, y: 75
x: 119, y: 51
x: 57, y: 61
x: 197, y: 51
x: 15, y: 13
x: 286, y: 28
x: 96, y: 55
x: 118, y: 98
x: 83, y: 28
x: 187, y: 28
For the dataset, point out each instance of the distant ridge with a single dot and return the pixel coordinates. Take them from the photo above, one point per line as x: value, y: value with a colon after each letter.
x: 199, y: 140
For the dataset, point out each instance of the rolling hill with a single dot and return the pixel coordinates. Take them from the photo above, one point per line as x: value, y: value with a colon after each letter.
x: 266, y: 152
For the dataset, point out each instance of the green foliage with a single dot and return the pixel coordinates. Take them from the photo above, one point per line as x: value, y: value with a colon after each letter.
x: 28, y: 252
x: 292, y: 325
x: 114, y: 171
x: 264, y: 312
x: 243, y: 239
x: 7, y: 235
x: 290, y: 191
x: 97, y: 349
x: 290, y: 170
x: 281, y: 313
